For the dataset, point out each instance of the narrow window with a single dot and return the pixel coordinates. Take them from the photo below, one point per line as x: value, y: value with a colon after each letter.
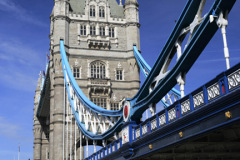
x: 92, y: 11
x: 119, y: 75
x: 101, y: 12
x: 102, y: 31
x: 92, y: 30
x: 76, y: 72
x: 111, y: 32
x: 83, y: 30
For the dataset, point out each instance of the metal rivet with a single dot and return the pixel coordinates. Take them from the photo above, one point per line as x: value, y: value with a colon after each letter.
x: 150, y: 146
x: 228, y: 114
x: 180, y: 134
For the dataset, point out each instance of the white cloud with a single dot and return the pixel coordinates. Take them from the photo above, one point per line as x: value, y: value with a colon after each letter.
x: 22, y: 14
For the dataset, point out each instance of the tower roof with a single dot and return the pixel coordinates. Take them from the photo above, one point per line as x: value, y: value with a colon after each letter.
x: 78, y: 6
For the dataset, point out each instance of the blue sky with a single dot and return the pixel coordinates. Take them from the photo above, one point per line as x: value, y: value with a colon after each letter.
x: 24, y: 41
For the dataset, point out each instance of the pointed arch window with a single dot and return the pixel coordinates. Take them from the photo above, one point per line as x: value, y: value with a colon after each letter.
x: 101, y: 12
x: 92, y: 11
x: 98, y: 70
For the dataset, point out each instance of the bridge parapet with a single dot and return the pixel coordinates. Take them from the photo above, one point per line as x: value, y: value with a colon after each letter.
x: 170, y: 119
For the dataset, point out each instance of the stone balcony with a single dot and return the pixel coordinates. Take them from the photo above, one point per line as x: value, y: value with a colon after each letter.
x: 99, y: 42
x: 99, y: 86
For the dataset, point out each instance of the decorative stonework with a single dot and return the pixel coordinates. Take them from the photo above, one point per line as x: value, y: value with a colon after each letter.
x: 76, y: 63
x: 119, y: 65
x: 114, y: 98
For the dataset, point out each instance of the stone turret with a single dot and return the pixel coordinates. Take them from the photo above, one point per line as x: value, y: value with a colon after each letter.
x: 37, y: 129
x: 132, y: 17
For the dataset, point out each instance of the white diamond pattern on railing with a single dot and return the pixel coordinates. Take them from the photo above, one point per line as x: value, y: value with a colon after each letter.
x: 105, y: 152
x: 213, y: 91
x: 154, y: 124
x: 109, y: 150
x: 234, y: 80
x: 198, y: 100
x: 172, y: 114
x: 102, y: 154
x: 185, y: 107
x: 144, y: 129
x: 162, y: 119
x: 118, y: 145
x: 138, y: 133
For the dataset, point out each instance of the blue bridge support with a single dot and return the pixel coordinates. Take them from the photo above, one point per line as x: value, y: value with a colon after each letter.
x: 203, y: 125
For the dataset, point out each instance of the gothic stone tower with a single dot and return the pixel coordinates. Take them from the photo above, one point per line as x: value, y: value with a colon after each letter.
x: 98, y: 37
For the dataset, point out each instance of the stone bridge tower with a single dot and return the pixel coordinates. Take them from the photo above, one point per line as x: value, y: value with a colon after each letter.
x: 98, y: 37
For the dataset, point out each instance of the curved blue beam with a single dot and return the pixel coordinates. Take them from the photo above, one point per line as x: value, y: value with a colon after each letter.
x: 79, y: 92
x: 184, y: 20
x: 200, y: 39
x: 146, y: 68
x: 109, y: 133
x: 141, y: 62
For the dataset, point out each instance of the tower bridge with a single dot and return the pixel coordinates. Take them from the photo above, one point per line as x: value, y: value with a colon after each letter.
x: 91, y: 95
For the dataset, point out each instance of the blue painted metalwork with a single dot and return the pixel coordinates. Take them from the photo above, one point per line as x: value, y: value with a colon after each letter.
x: 192, y: 113
x: 86, y: 102
x: 145, y: 68
x: 198, y: 42
x: 143, y: 98
x: 141, y: 101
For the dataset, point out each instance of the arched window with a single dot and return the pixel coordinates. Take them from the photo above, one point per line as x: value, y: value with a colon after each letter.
x: 98, y: 70
x: 92, y: 11
x: 101, y: 12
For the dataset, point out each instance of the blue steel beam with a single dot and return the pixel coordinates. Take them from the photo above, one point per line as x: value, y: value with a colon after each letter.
x: 142, y: 99
x: 146, y: 69
x: 184, y: 20
x: 200, y: 39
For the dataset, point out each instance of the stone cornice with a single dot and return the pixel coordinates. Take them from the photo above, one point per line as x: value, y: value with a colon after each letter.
x: 61, y: 17
x: 133, y: 24
x: 99, y: 22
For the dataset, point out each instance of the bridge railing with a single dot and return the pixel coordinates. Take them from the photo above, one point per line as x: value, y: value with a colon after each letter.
x: 224, y: 83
